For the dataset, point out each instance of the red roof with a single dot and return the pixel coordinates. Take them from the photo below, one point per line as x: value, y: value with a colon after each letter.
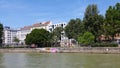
x: 26, y: 27
x: 36, y: 25
x: 46, y: 23
x: 41, y: 24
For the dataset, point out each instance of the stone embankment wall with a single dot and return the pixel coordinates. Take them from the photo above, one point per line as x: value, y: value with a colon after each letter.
x: 17, y: 50
x: 104, y: 50
x: 114, y: 50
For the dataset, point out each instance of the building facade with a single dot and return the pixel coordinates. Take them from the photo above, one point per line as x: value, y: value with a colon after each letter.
x: 21, y: 34
x: 52, y: 27
x: 9, y: 35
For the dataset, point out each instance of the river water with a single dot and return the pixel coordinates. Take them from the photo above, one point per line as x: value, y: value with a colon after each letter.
x: 59, y: 60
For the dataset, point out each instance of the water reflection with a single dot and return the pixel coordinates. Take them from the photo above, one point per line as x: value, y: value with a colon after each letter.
x: 73, y: 60
x: 59, y: 60
x: 1, y: 61
x: 14, y: 60
x: 45, y: 60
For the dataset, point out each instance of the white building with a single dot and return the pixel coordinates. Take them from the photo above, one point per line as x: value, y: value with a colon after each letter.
x: 64, y: 40
x: 21, y: 34
x: 9, y: 34
x: 42, y: 25
x: 57, y: 25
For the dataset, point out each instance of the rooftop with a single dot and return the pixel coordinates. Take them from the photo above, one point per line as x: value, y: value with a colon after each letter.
x: 36, y: 25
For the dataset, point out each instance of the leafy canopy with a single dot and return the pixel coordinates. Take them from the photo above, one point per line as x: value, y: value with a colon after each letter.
x: 87, y: 38
x: 57, y: 32
x: 74, y: 28
x: 112, y: 21
x: 15, y: 39
x: 93, y: 22
x: 1, y: 33
x: 38, y: 37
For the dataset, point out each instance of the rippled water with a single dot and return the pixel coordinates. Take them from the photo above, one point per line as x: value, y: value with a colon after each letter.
x: 59, y: 60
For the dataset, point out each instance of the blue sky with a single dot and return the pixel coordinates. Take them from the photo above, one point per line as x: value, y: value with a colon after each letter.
x: 19, y: 13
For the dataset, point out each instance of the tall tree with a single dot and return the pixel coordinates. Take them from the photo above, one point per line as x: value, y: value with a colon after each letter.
x: 112, y: 21
x: 57, y: 32
x: 1, y: 33
x: 93, y: 22
x: 74, y: 28
x: 38, y: 37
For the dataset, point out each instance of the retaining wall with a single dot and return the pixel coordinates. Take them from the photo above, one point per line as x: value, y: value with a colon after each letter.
x: 111, y: 50
x: 92, y: 49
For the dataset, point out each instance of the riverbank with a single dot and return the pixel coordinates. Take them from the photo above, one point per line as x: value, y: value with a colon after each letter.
x: 102, y: 50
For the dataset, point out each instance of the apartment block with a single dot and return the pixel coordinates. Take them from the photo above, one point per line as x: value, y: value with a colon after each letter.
x: 9, y: 34
x: 21, y: 34
x: 53, y: 26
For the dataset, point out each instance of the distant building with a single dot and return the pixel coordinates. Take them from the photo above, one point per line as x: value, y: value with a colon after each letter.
x: 42, y: 25
x: 9, y: 34
x: 21, y: 34
x: 64, y: 40
x: 57, y: 25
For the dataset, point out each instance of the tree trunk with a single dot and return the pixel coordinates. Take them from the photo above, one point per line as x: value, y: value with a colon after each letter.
x: 112, y: 37
x: 95, y: 40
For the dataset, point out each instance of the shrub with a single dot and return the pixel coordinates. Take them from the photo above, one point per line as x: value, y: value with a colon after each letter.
x: 104, y: 45
x: 87, y: 38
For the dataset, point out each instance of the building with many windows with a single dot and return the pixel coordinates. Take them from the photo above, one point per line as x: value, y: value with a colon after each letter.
x: 9, y: 35
x: 53, y: 26
x: 21, y: 34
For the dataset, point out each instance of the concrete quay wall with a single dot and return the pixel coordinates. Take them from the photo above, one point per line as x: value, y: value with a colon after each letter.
x: 104, y: 50
x: 111, y: 50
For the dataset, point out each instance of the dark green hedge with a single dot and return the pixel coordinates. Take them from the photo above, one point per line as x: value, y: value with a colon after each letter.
x: 104, y: 45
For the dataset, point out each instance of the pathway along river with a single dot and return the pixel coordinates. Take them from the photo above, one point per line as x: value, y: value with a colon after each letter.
x: 59, y: 60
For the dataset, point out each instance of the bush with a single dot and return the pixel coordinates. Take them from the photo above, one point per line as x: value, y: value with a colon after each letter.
x: 87, y: 38
x: 104, y: 45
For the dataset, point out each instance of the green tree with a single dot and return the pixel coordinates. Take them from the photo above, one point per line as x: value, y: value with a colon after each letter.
x: 15, y: 39
x: 86, y: 38
x: 74, y: 28
x: 1, y: 34
x: 93, y: 22
x: 112, y: 21
x: 38, y: 37
x: 57, y: 32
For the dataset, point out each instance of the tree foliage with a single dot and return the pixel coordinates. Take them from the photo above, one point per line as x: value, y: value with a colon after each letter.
x: 93, y: 22
x: 1, y: 33
x: 86, y: 38
x: 56, y: 33
x: 38, y: 37
x: 15, y: 39
x: 112, y: 21
x: 74, y: 28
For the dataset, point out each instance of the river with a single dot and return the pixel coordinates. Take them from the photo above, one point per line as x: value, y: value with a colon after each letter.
x: 59, y: 60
